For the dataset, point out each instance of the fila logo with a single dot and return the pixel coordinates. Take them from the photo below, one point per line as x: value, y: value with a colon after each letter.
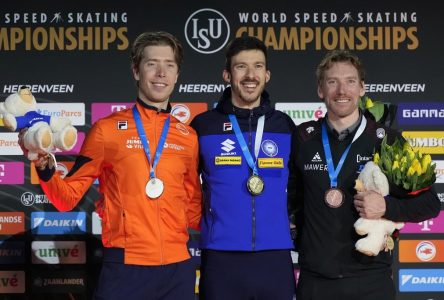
x: 316, y: 158
x: 228, y: 145
x: 228, y: 126
x: 122, y: 125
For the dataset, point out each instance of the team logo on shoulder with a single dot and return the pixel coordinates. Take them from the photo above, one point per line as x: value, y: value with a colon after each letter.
x: 182, y: 129
x: 380, y: 133
x: 122, y: 125
x: 270, y: 148
x: 181, y: 112
x: 309, y: 129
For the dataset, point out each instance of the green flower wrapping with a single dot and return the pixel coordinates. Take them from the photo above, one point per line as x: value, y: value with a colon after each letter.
x: 382, y: 113
x: 407, y: 169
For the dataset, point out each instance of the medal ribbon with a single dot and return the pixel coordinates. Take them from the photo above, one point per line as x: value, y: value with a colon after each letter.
x: 332, y: 172
x: 145, y: 141
x: 243, y: 144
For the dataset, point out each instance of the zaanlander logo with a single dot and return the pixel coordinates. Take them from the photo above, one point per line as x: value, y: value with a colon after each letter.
x: 207, y: 31
x: 68, y: 31
x: 362, y: 30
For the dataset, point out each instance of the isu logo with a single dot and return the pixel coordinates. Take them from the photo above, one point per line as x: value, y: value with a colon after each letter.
x: 207, y: 31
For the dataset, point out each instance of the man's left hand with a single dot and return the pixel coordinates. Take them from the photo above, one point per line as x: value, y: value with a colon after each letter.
x: 369, y: 204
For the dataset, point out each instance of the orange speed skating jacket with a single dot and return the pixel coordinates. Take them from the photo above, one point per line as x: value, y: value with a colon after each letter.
x: 152, y: 232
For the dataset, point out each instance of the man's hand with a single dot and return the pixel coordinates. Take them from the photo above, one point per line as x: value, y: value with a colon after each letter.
x: 369, y: 204
x: 43, y: 158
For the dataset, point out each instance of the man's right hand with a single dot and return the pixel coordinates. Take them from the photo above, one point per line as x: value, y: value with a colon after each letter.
x: 43, y: 158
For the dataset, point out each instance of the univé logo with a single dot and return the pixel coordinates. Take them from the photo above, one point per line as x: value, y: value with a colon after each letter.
x: 207, y: 31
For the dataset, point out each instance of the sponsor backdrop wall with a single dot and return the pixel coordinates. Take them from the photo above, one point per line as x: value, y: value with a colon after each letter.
x: 75, y: 58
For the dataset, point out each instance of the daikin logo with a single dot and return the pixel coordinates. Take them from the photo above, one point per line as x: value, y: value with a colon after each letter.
x: 207, y: 31
x: 421, y: 280
x: 58, y: 223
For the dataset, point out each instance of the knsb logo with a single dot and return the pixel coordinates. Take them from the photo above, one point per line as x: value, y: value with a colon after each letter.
x: 419, y: 251
x: 58, y: 252
x: 207, y: 31
x: 181, y: 112
x: 58, y: 223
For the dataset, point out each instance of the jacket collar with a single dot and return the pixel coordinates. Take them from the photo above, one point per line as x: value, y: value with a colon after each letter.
x: 146, y: 106
x: 225, y: 106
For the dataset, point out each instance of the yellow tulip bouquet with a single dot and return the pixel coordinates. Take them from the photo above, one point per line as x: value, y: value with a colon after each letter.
x: 408, y: 171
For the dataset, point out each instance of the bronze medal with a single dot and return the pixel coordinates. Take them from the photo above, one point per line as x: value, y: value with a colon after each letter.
x: 255, y: 185
x: 334, y: 197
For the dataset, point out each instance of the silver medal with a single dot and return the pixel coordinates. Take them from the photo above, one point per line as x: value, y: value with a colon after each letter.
x: 154, y: 188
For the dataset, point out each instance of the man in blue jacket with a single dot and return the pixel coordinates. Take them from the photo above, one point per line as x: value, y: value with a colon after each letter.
x: 244, y: 151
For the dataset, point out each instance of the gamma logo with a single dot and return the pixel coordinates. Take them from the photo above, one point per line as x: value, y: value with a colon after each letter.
x: 207, y: 31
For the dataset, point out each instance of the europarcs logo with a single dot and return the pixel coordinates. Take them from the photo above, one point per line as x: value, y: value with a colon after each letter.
x: 207, y: 30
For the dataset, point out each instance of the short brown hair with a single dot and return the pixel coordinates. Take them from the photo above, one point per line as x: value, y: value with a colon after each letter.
x: 159, y: 38
x: 241, y: 44
x: 339, y: 56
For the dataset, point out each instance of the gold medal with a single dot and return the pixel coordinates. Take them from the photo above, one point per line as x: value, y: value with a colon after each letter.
x: 255, y: 185
x: 334, y: 197
x: 389, y: 243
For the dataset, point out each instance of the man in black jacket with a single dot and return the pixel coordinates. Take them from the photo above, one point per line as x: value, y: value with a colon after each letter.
x: 327, y: 156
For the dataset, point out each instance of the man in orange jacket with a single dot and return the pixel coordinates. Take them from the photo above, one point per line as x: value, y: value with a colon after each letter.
x: 147, y: 170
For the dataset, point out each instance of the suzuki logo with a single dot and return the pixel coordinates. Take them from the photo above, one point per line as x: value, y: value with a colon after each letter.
x: 227, y: 145
x: 207, y: 31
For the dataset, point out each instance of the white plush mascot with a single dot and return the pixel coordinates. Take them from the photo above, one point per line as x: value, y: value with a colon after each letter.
x: 44, y: 132
x: 378, y: 231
